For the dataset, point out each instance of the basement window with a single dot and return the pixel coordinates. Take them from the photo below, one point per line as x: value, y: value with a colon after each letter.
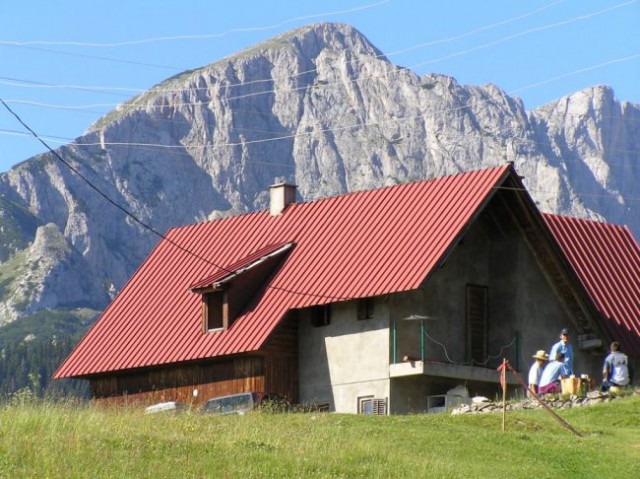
x: 371, y: 405
x: 365, y: 308
x: 321, y: 316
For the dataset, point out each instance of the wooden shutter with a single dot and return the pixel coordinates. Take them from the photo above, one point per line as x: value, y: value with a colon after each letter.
x: 477, y: 305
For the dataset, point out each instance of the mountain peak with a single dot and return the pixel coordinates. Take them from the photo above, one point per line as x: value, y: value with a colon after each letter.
x: 596, y: 95
x: 306, y: 43
x: 319, y: 106
x: 331, y: 35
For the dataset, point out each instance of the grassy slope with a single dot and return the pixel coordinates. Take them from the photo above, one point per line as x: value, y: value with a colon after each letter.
x: 56, y: 441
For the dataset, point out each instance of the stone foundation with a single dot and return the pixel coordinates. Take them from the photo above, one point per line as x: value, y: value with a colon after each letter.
x: 553, y: 401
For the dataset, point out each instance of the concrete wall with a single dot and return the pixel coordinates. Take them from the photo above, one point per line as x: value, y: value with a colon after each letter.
x: 349, y: 358
x: 525, y: 313
x: 346, y: 359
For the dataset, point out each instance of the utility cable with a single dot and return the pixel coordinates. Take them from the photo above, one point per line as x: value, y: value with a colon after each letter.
x: 199, y: 37
x: 382, y: 55
x: 142, y: 223
x: 157, y: 147
x: 483, y: 363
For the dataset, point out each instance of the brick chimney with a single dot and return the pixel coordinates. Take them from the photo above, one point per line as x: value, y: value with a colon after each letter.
x: 281, y: 195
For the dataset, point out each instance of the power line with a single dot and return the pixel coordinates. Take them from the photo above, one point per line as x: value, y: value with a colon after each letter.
x: 280, y: 136
x: 476, y: 30
x: 142, y: 223
x: 57, y: 139
x: 96, y: 57
x: 197, y: 37
x: 575, y: 72
x: 527, y: 32
x: 409, y: 48
x: 175, y: 151
x: 63, y: 107
x: 284, y: 137
x: 86, y: 108
x: 323, y: 86
x: 18, y: 82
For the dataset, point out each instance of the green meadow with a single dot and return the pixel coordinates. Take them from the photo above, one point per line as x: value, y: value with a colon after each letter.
x: 40, y: 439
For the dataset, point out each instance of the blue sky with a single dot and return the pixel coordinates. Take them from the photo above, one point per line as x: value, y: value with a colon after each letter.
x: 64, y: 64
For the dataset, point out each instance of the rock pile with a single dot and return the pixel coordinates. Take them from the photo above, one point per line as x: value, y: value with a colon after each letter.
x: 555, y: 402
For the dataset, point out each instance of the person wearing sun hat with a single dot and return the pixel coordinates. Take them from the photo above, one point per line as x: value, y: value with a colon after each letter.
x: 535, y: 371
x: 563, y: 346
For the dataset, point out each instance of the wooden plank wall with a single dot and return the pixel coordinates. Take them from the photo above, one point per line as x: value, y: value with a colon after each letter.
x: 177, y: 383
x: 281, y: 359
x: 274, y: 370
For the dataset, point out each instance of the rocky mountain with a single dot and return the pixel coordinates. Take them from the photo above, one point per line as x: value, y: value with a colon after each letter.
x: 321, y: 107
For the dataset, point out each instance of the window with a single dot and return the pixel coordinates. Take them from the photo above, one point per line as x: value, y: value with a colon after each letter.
x: 365, y: 308
x: 320, y: 407
x: 371, y: 405
x: 477, y: 307
x: 216, y: 311
x: 321, y: 315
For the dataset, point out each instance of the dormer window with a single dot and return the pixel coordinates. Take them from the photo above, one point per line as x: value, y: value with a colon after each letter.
x: 227, y: 293
x: 215, y: 310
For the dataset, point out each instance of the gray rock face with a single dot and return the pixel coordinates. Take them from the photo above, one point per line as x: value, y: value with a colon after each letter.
x: 320, y: 107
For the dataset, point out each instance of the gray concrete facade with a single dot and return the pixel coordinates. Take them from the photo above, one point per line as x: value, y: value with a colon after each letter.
x: 345, y: 360
x: 349, y: 359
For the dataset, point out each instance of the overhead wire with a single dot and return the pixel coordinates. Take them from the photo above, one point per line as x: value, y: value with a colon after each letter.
x: 576, y: 72
x: 324, y: 86
x: 291, y: 136
x: 156, y: 147
x: 18, y: 82
x: 284, y: 137
x: 395, y: 120
x: 142, y: 223
x: 355, y: 61
x: 357, y: 125
x: 149, y: 228
x: 199, y: 37
x: 29, y: 45
x: 528, y: 32
x: 96, y: 57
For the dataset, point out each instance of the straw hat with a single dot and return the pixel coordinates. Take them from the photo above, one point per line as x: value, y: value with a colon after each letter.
x: 541, y: 354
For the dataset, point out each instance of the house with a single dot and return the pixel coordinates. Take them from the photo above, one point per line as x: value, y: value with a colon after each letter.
x: 375, y: 301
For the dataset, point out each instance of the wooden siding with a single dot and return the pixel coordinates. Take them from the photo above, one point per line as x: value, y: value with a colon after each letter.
x: 177, y: 382
x: 281, y: 359
x: 274, y: 371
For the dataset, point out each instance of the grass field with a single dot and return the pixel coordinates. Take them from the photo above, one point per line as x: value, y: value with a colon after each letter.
x: 46, y: 440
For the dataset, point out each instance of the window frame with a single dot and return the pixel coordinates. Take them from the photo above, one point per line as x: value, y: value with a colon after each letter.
x: 365, y: 308
x: 371, y: 405
x: 220, y: 308
x: 320, y: 316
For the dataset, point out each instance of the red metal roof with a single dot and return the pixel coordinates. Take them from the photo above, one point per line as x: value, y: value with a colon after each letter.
x: 606, y: 258
x: 226, y: 272
x: 356, y: 245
